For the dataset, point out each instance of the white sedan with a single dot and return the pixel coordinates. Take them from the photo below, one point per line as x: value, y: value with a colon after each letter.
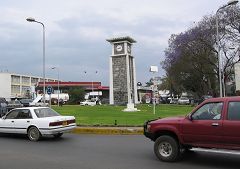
x: 88, y: 102
x: 183, y: 100
x: 36, y: 122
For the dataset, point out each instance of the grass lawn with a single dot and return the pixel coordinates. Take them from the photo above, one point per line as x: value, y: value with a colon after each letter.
x: 104, y: 115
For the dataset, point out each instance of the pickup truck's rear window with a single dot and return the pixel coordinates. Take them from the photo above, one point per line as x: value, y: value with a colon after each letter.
x: 233, y: 111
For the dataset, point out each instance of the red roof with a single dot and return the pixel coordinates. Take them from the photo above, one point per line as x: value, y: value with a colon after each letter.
x: 70, y: 83
x: 103, y: 88
x: 87, y: 85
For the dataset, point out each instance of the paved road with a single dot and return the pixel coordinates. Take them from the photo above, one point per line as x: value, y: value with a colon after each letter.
x: 99, y: 152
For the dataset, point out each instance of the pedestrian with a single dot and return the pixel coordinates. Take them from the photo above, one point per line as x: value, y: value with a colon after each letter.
x: 61, y: 102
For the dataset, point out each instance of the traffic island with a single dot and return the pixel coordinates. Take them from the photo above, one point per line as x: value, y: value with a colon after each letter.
x: 109, y: 130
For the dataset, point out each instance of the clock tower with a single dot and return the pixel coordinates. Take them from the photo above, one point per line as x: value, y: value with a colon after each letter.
x: 123, y: 86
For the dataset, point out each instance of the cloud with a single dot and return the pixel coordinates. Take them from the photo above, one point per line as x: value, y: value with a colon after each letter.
x: 76, y: 33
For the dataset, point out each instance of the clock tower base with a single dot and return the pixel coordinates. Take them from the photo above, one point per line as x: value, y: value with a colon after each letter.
x: 130, y: 108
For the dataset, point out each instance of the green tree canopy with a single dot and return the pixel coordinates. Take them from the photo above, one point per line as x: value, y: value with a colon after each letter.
x: 191, y: 59
x: 76, y: 94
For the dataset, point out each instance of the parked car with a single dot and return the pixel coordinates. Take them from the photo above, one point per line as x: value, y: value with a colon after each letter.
x: 172, y: 100
x: 36, y: 122
x: 92, y: 102
x: 204, y: 97
x: 3, y: 106
x: 213, y: 125
x: 183, y: 100
x: 38, y: 101
x: 26, y: 102
x: 12, y: 104
x: 163, y: 100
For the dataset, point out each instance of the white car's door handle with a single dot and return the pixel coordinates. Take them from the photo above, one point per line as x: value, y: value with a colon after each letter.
x: 28, y: 121
x: 215, y: 124
x: 12, y: 121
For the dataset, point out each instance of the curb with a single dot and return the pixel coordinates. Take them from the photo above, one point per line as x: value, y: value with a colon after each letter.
x: 108, y: 131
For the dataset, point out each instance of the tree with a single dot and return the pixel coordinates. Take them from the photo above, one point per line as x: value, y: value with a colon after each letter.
x: 76, y: 94
x: 229, y: 40
x: 149, y: 83
x: 191, y: 62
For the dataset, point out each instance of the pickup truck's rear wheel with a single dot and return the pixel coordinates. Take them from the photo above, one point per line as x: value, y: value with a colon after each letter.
x: 166, y: 148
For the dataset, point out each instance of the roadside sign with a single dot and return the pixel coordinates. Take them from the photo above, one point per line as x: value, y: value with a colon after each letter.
x: 49, y: 90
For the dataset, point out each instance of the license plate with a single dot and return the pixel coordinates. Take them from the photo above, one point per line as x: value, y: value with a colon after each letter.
x: 64, y: 123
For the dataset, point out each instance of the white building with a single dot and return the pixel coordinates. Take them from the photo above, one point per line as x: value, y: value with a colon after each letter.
x: 16, y: 85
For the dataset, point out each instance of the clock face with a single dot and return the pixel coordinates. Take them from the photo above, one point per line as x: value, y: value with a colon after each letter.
x: 119, y: 48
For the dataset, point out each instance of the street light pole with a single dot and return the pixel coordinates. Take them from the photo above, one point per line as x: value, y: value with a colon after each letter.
x: 96, y: 76
x: 232, y: 2
x: 92, y: 81
x: 58, y: 81
x: 44, y: 67
x: 154, y: 69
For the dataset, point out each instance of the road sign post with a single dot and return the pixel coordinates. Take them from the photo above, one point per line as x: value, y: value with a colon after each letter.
x: 49, y: 92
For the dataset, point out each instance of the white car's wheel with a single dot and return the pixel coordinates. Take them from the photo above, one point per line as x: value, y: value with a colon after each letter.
x: 34, y: 134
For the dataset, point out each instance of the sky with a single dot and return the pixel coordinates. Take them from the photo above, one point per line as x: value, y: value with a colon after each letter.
x: 76, y: 33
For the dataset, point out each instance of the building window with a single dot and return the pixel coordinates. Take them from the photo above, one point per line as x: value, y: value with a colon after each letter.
x: 34, y: 81
x: 25, y: 80
x: 15, y: 89
x: 15, y: 79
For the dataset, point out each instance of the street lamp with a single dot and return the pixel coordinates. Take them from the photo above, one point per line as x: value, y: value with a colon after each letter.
x: 57, y: 68
x: 154, y: 69
x: 231, y: 2
x: 44, y: 67
x: 92, y: 81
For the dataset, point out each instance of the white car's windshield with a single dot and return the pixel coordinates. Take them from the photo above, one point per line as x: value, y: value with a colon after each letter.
x: 45, y: 112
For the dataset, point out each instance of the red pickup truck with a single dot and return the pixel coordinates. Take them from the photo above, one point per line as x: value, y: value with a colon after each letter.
x: 212, y: 124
